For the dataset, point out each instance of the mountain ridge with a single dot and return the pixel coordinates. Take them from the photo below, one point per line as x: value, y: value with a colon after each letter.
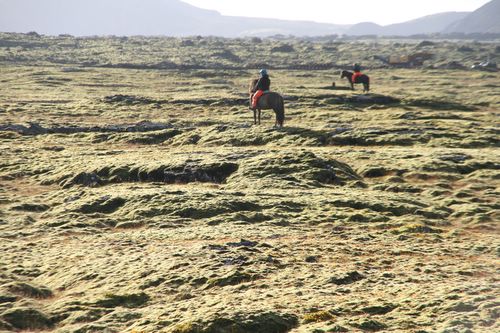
x: 483, y: 20
x: 423, y: 25
x: 177, y: 18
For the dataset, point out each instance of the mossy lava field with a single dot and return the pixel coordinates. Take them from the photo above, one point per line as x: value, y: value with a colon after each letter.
x: 137, y: 195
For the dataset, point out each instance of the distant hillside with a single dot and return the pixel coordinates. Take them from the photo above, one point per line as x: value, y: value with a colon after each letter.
x: 141, y: 17
x: 177, y: 18
x: 246, y: 26
x: 424, y: 25
x: 365, y: 28
x: 105, y: 17
x: 486, y: 20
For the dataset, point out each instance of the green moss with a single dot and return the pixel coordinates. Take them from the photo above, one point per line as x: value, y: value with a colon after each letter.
x: 232, y: 279
x: 316, y: 317
x: 186, y: 328
x: 418, y: 229
x: 137, y: 121
x: 127, y: 300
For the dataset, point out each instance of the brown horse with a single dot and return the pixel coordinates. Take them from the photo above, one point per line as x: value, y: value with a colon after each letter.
x: 361, y: 79
x: 268, y: 101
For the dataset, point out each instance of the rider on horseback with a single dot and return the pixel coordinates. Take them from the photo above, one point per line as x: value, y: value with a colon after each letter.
x: 263, y: 85
x: 357, y: 72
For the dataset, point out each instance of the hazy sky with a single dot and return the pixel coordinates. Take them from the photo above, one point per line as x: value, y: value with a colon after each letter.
x: 339, y: 11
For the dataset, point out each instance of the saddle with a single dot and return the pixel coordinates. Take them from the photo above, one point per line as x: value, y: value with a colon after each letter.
x: 257, y: 96
x: 356, y: 76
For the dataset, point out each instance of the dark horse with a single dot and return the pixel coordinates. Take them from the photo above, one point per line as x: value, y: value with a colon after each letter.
x: 361, y: 79
x: 268, y: 101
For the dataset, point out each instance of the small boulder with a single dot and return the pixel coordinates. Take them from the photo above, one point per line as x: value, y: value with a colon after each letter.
x: 31, y: 207
x: 23, y: 318
x: 464, y: 48
x: 426, y: 43
x: 86, y: 179
x: 268, y: 322
x: 129, y: 225
x: 128, y: 300
x: 378, y: 309
x: 285, y: 48
x: 346, y: 278
x: 370, y: 325
x: 28, y: 290
x: 312, y: 259
x: 7, y: 298
x: 232, y: 279
x: 463, y: 307
x: 453, y: 65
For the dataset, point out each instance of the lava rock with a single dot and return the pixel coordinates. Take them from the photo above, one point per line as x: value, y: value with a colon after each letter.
x: 348, y: 278
x: 24, y: 318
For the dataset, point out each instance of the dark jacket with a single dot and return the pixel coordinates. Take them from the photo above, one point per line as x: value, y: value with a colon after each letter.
x: 264, y: 83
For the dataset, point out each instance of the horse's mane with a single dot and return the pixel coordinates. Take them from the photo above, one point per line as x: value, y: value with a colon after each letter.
x: 251, y: 87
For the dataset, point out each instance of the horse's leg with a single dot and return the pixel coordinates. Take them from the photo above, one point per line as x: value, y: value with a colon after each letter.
x: 255, y: 116
x: 260, y: 113
x: 279, y: 111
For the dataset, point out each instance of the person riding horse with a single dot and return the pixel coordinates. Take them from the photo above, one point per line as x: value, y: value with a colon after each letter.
x: 263, y: 85
x: 357, y: 73
x: 263, y: 99
x: 356, y: 77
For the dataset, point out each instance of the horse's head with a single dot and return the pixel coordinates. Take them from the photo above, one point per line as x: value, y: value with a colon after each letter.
x: 343, y: 74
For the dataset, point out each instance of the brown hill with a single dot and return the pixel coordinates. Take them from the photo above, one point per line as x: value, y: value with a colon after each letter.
x: 484, y: 20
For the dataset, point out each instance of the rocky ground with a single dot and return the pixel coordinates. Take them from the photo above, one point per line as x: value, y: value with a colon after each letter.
x: 144, y: 200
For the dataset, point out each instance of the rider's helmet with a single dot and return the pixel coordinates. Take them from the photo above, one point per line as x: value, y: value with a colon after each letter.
x: 263, y: 72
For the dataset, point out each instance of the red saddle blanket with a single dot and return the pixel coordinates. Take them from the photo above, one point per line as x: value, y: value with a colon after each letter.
x: 258, y: 94
x: 356, y: 76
